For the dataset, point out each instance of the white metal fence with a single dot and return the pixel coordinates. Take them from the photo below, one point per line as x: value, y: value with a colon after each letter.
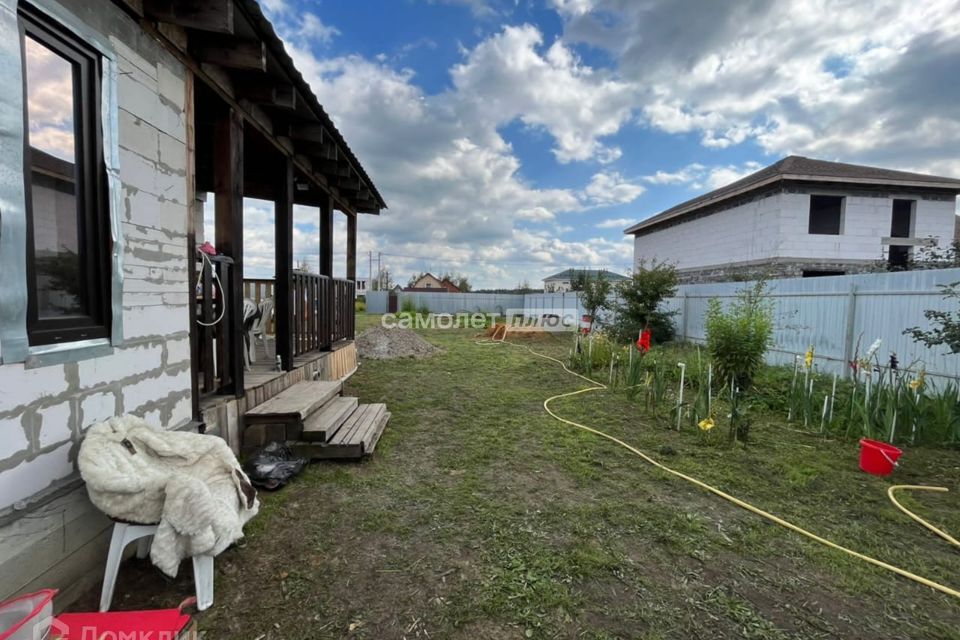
x: 447, y: 302
x: 831, y: 313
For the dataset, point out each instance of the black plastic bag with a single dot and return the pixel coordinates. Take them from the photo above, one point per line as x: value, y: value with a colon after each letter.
x: 272, y: 466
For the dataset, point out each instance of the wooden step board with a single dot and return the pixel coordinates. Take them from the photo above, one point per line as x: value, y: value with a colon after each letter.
x: 356, y: 438
x: 320, y: 426
x: 293, y: 405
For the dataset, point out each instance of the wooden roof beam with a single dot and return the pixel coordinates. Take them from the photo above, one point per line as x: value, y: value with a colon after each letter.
x: 204, y: 15
x: 267, y: 93
x: 309, y: 132
x: 233, y: 53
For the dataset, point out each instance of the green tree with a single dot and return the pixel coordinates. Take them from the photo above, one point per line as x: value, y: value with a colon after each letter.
x: 382, y: 281
x: 460, y: 280
x: 416, y: 276
x: 641, y: 297
x: 946, y: 324
x: 594, y: 292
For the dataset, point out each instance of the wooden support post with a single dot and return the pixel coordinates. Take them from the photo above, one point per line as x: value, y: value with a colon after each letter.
x: 351, y: 247
x: 326, y: 269
x: 283, y: 212
x: 194, y: 213
x: 228, y: 187
x: 326, y: 235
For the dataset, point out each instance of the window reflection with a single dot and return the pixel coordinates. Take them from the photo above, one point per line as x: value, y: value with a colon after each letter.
x: 51, y: 130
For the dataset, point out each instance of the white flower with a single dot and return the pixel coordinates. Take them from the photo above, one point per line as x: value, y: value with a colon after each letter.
x: 872, y: 351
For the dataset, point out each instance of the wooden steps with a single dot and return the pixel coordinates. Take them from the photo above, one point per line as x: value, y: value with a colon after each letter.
x: 317, y: 422
x: 295, y: 403
x: 321, y: 426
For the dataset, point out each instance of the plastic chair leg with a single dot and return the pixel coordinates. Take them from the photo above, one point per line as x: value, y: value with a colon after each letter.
x: 143, y: 547
x: 123, y: 534
x: 113, y: 565
x: 203, y: 581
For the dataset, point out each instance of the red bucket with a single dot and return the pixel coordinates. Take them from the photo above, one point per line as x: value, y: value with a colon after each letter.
x: 878, y: 458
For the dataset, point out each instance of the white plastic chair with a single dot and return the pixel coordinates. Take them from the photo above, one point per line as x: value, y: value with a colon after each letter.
x: 249, y: 311
x: 258, y: 330
x: 124, y: 534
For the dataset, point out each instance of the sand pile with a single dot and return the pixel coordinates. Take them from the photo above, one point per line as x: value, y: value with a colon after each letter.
x: 380, y: 343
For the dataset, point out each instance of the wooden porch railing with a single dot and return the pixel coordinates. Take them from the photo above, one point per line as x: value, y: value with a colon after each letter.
x: 307, y: 290
x: 342, y: 300
x: 217, y: 345
x: 322, y: 310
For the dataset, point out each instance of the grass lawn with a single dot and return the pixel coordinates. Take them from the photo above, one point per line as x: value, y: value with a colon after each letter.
x: 481, y: 517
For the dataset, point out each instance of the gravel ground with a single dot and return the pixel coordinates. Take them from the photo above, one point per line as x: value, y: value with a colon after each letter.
x: 380, y: 343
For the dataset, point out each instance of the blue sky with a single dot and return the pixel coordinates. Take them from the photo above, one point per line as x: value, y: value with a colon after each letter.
x: 513, y: 139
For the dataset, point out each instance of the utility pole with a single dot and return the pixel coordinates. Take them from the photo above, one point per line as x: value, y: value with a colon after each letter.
x: 382, y: 284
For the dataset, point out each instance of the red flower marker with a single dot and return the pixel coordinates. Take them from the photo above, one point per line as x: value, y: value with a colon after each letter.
x: 643, y: 342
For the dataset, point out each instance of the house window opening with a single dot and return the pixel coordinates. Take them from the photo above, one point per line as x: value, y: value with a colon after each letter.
x: 901, y: 226
x: 826, y: 215
x: 68, y: 228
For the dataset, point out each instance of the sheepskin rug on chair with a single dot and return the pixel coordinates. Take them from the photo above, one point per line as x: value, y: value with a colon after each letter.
x: 189, y: 484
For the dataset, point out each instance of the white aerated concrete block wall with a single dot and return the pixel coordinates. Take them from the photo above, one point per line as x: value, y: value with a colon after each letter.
x: 44, y: 411
x: 776, y: 227
x: 747, y: 232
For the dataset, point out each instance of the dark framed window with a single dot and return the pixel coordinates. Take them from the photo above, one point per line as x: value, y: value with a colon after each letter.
x: 68, y: 230
x: 826, y: 215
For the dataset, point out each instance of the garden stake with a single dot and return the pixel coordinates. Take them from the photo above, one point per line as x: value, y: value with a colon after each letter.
x: 793, y: 385
x: 823, y: 415
x: 833, y: 396
x: 893, y: 423
x: 709, y: 390
x: 683, y: 370
x: 611, y: 368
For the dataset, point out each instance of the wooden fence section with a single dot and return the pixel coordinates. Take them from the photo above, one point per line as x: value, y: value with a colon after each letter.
x: 341, y: 305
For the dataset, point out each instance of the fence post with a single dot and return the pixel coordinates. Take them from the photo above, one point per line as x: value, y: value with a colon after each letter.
x: 684, y: 309
x: 850, y: 330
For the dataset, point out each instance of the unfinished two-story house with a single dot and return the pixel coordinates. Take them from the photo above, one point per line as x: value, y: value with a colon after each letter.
x: 118, y: 120
x: 802, y: 217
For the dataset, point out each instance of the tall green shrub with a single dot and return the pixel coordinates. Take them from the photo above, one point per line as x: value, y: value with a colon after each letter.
x: 737, y: 339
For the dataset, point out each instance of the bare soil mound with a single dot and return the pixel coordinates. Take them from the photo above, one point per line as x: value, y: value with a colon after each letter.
x: 380, y: 343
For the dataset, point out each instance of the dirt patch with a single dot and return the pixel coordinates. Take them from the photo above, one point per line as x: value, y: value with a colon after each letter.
x: 381, y: 343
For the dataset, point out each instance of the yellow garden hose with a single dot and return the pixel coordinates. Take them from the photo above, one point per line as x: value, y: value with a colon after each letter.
x: 598, y: 386
x: 919, y: 487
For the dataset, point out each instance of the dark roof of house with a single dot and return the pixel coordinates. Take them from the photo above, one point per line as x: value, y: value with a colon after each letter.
x: 567, y: 274
x: 802, y: 169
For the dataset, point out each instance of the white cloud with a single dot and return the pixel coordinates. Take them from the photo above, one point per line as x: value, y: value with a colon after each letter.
x: 854, y: 81
x: 721, y: 176
x: 611, y: 188
x: 700, y: 177
x: 615, y: 223
x: 535, y: 214
x: 453, y: 185
x: 512, y: 76
x: 312, y: 28
x: 687, y: 174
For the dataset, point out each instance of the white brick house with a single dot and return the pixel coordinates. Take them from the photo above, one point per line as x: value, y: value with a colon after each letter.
x: 801, y: 217
x: 131, y: 111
